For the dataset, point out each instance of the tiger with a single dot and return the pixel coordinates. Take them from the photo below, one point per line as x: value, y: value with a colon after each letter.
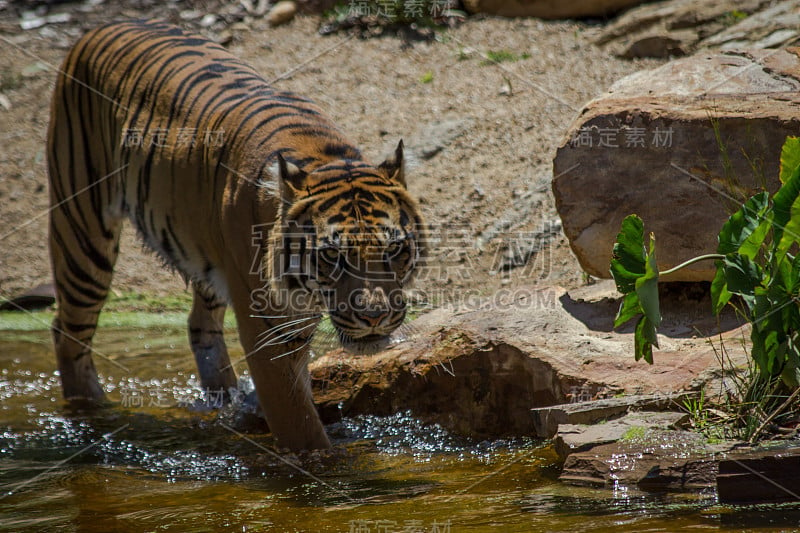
x: 250, y: 193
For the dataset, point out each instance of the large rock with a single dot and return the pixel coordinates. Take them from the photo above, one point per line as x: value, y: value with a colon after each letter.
x: 549, y: 9
x: 774, y: 27
x: 658, y: 460
x: 682, y: 146
x: 639, y: 451
x: 574, y: 438
x: 682, y: 27
x: 281, y: 13
x: 478, y: 371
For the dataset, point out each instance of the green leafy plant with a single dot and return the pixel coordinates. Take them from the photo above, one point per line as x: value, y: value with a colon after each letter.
x: 696, y: 408
x: 634, y: 433
x: 503, y: 56
x: 734, y: 16
x: 427, y: 77
x: 756, y: 260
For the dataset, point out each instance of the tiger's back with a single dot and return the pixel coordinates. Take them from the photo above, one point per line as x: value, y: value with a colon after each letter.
x: 179, y: 121
x: 193, y: 146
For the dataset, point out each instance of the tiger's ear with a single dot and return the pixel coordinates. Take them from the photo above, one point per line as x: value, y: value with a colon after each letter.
x: 291, y: 180
x: 394, y: 166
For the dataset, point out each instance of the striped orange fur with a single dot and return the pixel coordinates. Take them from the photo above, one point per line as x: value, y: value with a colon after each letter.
x: 250, y: 193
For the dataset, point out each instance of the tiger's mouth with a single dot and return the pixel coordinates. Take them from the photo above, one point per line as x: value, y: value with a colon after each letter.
x: 365, y: 345
x: 373, y: 337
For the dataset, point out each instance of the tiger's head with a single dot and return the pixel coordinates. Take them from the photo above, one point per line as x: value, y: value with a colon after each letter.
x: 347, y: 242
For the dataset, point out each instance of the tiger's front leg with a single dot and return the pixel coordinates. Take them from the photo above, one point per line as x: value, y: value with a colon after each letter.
x: 277, y: 355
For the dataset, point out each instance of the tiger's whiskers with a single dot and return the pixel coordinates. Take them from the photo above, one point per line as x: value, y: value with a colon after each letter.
x: 283, y: 337
x: 290, y: 352
x: 290, y: 323
x: 296, y: 315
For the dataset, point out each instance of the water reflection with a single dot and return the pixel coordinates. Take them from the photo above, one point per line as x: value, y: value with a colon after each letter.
x: 171, y: 465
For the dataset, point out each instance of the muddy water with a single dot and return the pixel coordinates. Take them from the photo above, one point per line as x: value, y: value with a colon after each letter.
x: 161, y: 460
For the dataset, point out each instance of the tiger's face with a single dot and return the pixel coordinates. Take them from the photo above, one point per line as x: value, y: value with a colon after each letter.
x: 361, y: 272
x: 351, y: 238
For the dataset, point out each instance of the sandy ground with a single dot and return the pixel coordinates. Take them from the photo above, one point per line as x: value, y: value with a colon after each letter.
x: 486, y: 192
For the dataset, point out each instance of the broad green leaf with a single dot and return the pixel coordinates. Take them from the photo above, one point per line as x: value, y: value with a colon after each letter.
x: 791, y: 373
x: 774, y: 353
x: 645, y: 339
x: 782, y: 280
x: 628, y: 256
x: 791, y: 320
x: 636, y: 275
x: 628, y: 309
x: 790, y: 158
x: 758, y: 351
x: 744, y: 231
x: 720, y: 295
x: 768, y: 330
x: 786, y: 218
x: 650, y: 332
x: 755, y: 241
x: 782, y: 305
x: 743, y: 276
x: 761, y: 307
x: 647, y: 287
x: 794, y: 281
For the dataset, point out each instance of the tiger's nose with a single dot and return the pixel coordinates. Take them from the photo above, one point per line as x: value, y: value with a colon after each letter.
x: 372, y: 317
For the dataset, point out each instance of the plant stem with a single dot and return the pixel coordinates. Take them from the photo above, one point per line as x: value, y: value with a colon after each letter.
x: 691, y: 261
x: 775, y: 413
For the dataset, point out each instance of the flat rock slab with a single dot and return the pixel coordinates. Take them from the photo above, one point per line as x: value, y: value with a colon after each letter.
x: 656, y: 460
x: 547, y: 420
x: 478, y: 371
x: 682, y: 146
x: 572, y: 438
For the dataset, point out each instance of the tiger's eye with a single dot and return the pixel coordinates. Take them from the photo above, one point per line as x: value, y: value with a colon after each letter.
x: 393, y: 249
x: 329, y: 254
